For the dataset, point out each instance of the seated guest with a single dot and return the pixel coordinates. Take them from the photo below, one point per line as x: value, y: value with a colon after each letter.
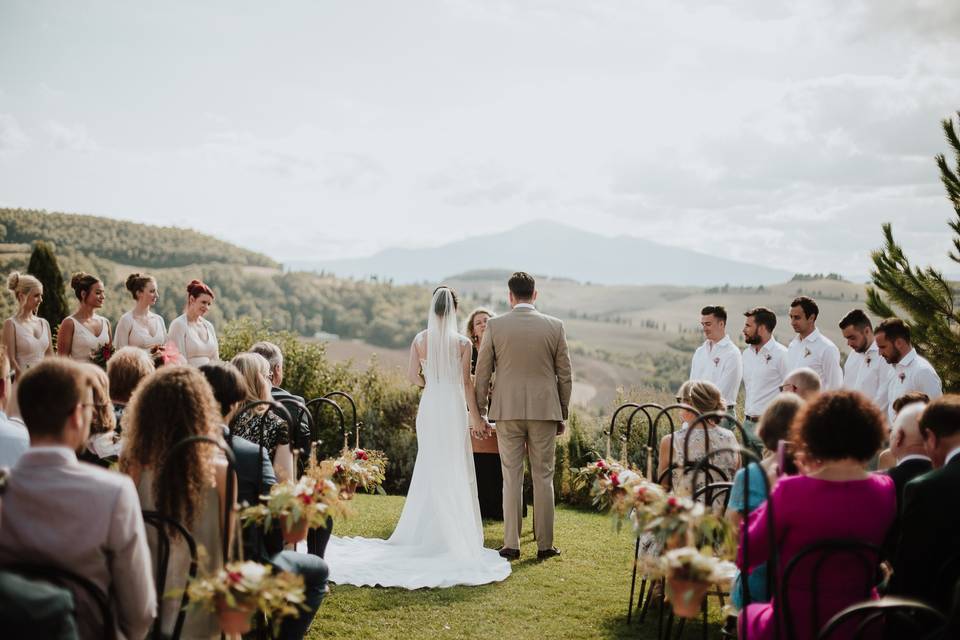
x: 125, y: 369
x: 773, y: 427
x: 887, y: 459
x: 59, y: 512
x: 837, y: 433
x: 274, y: 358
x: 253, y: 466
x: 276, y: 432
x: 705, y: 397
x: 929, y: 520
x: 906, y: 445
x: 173, y: 404
x: 103, y: 444
x: 805, y: 382
x: 14, y: 439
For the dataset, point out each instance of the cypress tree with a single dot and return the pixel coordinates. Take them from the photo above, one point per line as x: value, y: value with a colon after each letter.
x: 43, y: 265
x: 924, y: 297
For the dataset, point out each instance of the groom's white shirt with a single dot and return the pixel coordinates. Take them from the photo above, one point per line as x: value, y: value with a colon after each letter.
x: 523, y: 305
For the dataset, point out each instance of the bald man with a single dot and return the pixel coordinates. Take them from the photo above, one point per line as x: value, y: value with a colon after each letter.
x: 805, y: 382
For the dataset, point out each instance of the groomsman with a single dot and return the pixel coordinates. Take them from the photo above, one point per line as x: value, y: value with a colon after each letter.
x: 810, y: 348
x: 911, y: 371
x: 764, y: 367
x: 717, y: 359
x: 865, y: 371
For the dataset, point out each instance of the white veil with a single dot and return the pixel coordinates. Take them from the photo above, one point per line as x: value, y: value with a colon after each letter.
x: 443, y: 340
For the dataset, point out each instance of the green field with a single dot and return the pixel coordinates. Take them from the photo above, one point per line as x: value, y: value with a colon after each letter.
x: 581, y: 594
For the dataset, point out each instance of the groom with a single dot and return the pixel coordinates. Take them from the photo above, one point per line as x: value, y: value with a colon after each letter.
x: 528, y: 350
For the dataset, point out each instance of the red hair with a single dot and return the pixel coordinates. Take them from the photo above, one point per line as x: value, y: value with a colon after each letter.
x: 196, y: 288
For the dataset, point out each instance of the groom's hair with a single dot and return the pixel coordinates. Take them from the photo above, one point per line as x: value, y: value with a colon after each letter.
x: 522, y: 285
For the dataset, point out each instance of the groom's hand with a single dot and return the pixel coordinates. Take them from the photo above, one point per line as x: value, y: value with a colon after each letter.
x: 561, y: 427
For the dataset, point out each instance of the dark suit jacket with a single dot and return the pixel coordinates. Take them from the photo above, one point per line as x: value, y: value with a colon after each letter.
x: 251, y: 462
x: 929, y: 537
x: 902, y: 474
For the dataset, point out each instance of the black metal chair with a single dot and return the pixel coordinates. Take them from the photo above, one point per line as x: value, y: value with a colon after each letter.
x: 317, y: 538
x: 809, y: 563
x: 357, y: 425
x: 909, y: 616
x: 162, y: 526
x: 84, y: 591
x: 316, y: 405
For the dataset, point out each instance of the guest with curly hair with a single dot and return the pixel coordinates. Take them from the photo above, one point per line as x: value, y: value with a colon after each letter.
x: 86, y: 331
x: 173, y: 404
x: 837, y: 433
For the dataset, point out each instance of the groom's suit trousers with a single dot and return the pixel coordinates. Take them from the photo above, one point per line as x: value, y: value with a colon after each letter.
x: 540, y: 437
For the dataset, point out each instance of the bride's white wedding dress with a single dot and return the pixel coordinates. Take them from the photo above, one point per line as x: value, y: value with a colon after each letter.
x: 438, y: 541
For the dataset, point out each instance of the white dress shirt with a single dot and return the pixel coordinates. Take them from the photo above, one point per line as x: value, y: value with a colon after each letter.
x: 763, y: 372
x: 912, y: 373
x: 14, y: 440
x: 950, y: 456
x: 719, y: 363
x: 820, y: 354
x: 869, y: 374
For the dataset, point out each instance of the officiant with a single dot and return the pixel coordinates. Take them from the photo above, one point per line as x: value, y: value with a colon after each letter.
x: 486, y: 455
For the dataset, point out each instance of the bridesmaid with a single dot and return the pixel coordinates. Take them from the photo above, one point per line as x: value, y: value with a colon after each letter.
x: 141, y: 327
x: 191, y: 333
x: 84, y: 332
x: 26, y: 335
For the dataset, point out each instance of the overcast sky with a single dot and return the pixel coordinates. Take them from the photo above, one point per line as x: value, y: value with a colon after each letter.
x: 776, y: 132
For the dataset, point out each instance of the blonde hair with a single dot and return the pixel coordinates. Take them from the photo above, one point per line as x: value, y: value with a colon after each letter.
x: 256, y: 374
x: 126, y: 368
x: 474, y: 314
x: 702, y: 395
x: 21, y: 284
x: 104, y: 420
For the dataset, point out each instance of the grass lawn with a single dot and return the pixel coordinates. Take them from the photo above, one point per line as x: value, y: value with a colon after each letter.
x: 581, y: 594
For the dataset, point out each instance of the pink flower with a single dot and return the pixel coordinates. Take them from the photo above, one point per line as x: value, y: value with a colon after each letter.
x: 306, y: 498
x: 614, y: 480
x: 671, y: 502
x: 360, y: 454
x: 234, y: 577
x: 601, y: 464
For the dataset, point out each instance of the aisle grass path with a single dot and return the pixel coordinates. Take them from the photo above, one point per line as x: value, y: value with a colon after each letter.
x: 581, y: 594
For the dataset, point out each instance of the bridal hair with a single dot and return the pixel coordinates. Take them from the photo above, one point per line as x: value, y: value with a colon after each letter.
x: 197, y: 288
x: 81, y: 283
x: 440, y: 302
x: 48, y: 393
x: 522, y: 285
x: 136, y: 282
x: 174, y: 403
x: 21, y: 284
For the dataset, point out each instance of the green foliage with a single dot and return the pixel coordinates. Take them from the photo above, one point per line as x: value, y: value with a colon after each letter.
x: 43, y: 265
x: 925, y: 297
x: 125, y: 242
x: 386, y: 404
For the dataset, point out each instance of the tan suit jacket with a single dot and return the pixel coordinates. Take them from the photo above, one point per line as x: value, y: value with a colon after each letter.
x: 61, y: 512
x: 534, y: 378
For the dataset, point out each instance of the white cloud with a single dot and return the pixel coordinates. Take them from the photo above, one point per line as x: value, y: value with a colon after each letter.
x: 13, y: 139
x: 70, y: 137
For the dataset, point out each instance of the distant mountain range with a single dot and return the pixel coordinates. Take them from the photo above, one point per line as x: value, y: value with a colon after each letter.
x: 559, y: 251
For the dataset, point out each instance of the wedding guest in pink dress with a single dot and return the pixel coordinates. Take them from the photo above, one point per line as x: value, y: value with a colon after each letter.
x: 26, y: 335
x: 84, y: 332
x: 836, y: 497
x: 141, y: 327
x: 191, y: 333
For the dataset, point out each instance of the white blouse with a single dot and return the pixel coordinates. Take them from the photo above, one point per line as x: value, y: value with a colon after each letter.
x: 30, y: 348
x: 133, y: 333
x: 84, y: 342
x: 197, y: 342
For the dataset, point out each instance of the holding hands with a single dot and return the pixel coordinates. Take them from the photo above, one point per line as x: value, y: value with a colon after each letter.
x: 481, y: 428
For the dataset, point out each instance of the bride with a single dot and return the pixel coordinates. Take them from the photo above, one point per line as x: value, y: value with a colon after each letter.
x: 438, y: 541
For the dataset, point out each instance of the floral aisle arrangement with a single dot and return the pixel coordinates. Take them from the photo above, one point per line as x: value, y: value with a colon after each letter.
x: 299, y: 506
x: 241, y: 588
x: 689, y: 573
x: 359, y: 468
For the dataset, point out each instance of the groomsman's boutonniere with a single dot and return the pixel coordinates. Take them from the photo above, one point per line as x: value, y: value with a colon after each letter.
x: 869, y: 360
x: 767, y: 358
x: 716, y: 362
x: 807, y: 353
x: 902, y: 376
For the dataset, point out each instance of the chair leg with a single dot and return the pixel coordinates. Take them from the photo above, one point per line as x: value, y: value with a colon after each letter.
x: 633, y: 581
x: 643, y: 589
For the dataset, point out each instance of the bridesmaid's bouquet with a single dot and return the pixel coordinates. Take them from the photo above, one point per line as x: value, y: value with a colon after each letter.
x: 240, y: 588
x: 101, y: 354
x: 359, y: 468
x: 299, y: 506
